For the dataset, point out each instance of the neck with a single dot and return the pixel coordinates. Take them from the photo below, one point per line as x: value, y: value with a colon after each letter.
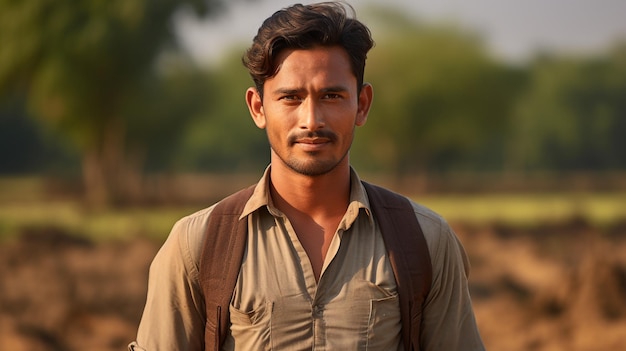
x: 324, y: 195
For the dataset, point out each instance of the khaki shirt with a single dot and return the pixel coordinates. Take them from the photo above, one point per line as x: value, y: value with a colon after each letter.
x: 277, y: 303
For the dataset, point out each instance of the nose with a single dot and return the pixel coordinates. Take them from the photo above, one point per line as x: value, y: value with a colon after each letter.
x: 311, y: 115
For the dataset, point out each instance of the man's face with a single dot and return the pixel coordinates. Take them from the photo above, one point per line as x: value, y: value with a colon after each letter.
x: 310, y: 109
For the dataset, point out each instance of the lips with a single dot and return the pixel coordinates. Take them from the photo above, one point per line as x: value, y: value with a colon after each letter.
x: 312, y: 140
x: 312, y: 144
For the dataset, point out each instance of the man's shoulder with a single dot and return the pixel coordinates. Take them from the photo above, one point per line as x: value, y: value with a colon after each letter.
x: 436, y: 229
x: 426, y: 214
x: 191, y: 230
x: 423, y: 213
x: 195, y: 220
x: 198, y: 220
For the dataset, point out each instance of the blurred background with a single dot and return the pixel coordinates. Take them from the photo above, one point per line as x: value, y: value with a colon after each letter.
x: 508, y: 118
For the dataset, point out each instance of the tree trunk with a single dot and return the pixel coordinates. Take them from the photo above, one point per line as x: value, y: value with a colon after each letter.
x: 111, y: 176
x: 95, y: 189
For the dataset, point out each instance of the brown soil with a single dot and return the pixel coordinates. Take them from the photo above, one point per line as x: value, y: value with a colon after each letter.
x: 553, y: 287
x: 60, y: 292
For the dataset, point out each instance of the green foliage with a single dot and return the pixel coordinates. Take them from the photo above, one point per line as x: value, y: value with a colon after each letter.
x: 163, y: 109
x: 83, y: 65
x: 223, y: 137
x: 106, y: 78
x: 81, y: 61
x: 573, y: 116
x: 438, y: 97
x: 26, y: 147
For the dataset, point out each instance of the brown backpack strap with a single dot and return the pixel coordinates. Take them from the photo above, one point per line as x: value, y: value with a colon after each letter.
x: 222, y: 254
x: 408, y: 254
x: 225, y: 243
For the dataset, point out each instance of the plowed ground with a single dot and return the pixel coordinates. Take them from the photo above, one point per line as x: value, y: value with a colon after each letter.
x: 550, y: 287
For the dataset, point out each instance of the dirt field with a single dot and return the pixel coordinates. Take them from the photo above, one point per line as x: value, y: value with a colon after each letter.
x: 552, y: 287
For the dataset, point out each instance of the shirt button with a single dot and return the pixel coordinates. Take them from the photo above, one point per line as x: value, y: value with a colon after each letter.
x: 318, y: 310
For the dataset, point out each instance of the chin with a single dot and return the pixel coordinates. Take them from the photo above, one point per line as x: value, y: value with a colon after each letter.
x: 313, y: 169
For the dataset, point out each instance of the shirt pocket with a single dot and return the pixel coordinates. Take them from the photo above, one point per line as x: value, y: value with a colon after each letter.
x: 251, y: 329
x: 384, y: 324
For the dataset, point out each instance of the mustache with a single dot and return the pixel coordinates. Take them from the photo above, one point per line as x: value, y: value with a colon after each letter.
x: 322, y: 134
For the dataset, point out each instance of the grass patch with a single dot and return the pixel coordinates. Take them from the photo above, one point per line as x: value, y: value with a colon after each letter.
x: 155, y: 223
x: 529, y: 209
x: 97, y: 225
x: 21, y: 189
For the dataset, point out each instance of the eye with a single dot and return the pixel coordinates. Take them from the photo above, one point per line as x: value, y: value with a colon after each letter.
x: 289, y: 98
x: 332, y: 96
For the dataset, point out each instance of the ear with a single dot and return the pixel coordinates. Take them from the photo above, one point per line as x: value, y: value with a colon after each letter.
x: 255, y: 106
x: 365, y: 102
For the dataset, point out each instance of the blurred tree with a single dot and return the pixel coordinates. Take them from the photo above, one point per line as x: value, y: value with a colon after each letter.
x: 24, y: 147
x: 438, y: 97
x: 224, y: 137
x: 82, y: 65
x: 573, y: 115
x: 164, y: 109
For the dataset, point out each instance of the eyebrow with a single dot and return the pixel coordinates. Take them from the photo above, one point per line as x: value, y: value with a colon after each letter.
x: 335, y: 89
x: 290, y: 91
x: 286, y: 91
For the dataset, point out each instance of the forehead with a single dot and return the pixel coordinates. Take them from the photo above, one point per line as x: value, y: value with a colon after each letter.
x: 318, y: 63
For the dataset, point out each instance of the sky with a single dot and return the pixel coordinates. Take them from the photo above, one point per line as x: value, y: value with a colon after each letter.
x: 513, y: 30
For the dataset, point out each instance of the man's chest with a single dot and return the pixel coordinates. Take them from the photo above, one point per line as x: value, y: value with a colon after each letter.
x: 278, y: 303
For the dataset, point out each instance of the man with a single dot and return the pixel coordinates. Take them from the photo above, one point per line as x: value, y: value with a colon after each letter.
x: 316, y: 273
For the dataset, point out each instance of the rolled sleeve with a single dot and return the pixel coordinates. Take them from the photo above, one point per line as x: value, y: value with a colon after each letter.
x: 134, y: 347
x: 174, y: 314
x: 448, y: 321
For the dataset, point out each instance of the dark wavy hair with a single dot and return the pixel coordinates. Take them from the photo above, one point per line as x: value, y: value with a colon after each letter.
x: 304, y: 27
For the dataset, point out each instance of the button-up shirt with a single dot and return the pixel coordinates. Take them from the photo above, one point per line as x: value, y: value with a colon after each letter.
x: 277, y: 303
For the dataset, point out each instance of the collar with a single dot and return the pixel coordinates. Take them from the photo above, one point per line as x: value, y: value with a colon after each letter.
x: 261, y: 197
